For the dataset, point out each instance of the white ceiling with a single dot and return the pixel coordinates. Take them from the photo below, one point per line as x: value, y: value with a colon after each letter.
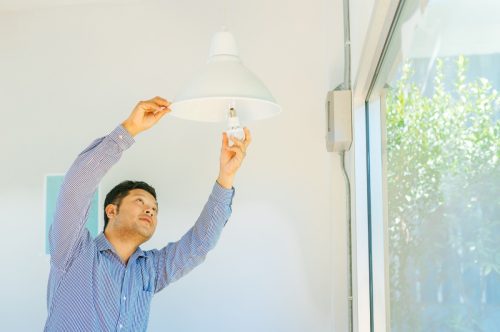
x: 19, y: 5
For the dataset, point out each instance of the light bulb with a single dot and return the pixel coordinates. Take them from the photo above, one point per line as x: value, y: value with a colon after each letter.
x: 233, y: 126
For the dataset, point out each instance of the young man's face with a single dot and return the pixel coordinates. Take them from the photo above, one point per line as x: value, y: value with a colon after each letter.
x: 137, y: 214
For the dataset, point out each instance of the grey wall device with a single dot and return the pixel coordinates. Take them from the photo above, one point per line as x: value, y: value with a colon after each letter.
x: 338, y: 120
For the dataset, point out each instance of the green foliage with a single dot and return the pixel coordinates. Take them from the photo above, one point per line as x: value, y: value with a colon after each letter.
x: 444, y: 193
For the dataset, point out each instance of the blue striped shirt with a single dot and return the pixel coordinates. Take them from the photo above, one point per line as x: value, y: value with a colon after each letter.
x: 89, y: 287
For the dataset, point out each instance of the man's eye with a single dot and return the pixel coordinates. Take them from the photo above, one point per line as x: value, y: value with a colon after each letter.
x: 140, y: 200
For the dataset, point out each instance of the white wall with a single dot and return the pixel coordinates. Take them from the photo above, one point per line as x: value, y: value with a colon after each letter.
x: 360, y: 16
x: 71, y: 74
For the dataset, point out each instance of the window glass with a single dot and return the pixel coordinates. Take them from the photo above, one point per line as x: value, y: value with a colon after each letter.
x: 440, y: 79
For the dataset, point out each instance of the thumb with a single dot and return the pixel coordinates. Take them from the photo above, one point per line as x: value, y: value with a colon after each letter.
x: 225, y: 140
x: 161, y: 113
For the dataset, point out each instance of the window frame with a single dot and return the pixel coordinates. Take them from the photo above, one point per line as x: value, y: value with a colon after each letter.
x: 370, y: 222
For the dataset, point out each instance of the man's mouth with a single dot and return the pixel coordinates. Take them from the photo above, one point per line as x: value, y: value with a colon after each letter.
x: 147, y: 219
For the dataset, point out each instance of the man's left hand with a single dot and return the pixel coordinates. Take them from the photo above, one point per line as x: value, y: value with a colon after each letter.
x: 231, y: 158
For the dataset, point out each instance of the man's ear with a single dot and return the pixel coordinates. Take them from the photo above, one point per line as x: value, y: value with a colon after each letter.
x: 111, y: 210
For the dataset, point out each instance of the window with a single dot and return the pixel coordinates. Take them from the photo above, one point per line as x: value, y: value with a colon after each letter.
x: 434, y: 132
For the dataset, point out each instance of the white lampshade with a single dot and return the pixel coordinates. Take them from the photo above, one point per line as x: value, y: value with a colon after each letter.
x: 224, y: 83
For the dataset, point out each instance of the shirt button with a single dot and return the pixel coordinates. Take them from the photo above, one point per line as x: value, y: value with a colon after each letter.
x: 120, y: 326
x: 124, y: 298
x: 120, y: 137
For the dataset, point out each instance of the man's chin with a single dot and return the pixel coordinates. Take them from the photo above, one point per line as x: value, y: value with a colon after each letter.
x: 146, y: 234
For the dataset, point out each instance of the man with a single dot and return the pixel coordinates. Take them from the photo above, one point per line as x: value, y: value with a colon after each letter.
x: 106, y: 283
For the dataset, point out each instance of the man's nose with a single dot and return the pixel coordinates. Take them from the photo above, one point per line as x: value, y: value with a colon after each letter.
x: 149, y: 211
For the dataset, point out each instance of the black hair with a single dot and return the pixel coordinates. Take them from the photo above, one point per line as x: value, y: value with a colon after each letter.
x: 121, y: 190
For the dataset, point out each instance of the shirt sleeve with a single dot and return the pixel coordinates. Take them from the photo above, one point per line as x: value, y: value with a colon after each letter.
x: 178, y: 258
x: 79, y: 184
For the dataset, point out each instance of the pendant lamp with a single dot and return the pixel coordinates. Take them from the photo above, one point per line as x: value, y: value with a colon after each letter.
x: 225, y: 90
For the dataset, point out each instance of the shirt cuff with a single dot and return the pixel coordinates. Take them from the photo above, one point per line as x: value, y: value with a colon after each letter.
x: 122, y: 137
x: 221, y: 194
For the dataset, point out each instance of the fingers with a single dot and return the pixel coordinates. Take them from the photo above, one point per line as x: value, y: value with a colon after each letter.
x: 146, y: 114
x: 158, y: 115
x: 239, y: 152
x: 248, y: 137
x: 155, y: 104
x: 160, y: 101
x: 148, y: 106
x: 237, y: 142
x: 225, y: 140
x: 239, y: 146
x: 152, y: 106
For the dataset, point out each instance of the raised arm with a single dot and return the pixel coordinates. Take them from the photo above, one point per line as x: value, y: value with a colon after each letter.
x: 176, y: 259
x: 80, y: 182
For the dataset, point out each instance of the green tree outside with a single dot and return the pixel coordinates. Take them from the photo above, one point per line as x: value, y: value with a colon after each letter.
x: 443, y: 176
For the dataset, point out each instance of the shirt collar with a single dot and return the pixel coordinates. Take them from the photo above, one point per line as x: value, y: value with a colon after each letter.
x: 103, y: 244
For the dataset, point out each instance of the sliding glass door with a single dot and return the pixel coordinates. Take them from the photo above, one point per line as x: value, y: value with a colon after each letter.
x: 434, y: 137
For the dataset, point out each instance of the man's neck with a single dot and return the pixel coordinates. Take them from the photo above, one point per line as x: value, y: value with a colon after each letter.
x: 124, y: 245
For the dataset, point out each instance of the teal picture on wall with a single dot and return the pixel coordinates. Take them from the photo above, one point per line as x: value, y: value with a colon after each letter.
x: 52, y: 186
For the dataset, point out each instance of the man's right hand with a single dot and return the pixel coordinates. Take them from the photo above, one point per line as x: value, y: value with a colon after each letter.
x: 146, y: 114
